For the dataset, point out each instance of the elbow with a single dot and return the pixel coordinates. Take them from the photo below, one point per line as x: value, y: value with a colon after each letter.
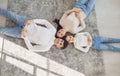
x: 44, y: 20
x: 84, y: 26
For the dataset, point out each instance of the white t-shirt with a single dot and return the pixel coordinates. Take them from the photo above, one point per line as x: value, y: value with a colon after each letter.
x: 43, y: 37
x: 81, y: 41
x: 71, y: 23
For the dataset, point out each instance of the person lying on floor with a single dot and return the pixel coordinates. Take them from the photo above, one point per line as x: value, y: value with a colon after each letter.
x: 73, y: 20
x: 83, y: 41
x: 37, y: 31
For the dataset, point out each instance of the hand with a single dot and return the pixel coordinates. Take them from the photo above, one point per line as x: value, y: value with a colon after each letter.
x: 77, y: 10
x: 78, y: 15
x: 23, y: 33
x: 68, y: 12
x: 28, y: 22
x: 89, y: 40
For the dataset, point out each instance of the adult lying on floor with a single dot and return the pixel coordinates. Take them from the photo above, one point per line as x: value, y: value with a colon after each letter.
x: 37, y: 31
x: 73, y: 20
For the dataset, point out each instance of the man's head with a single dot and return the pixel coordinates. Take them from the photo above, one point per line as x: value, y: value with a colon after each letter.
x: 69, y: 38
x: 60, y: 43
x: 61, y: 33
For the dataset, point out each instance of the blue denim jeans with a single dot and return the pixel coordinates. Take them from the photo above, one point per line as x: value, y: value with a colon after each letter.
x: 12, y: 31
x: 86, y: 5
x: 101, y: 43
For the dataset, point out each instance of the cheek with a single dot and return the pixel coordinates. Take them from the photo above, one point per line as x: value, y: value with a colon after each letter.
x: 67, y: 39
x: 57, y: 43
x: 63, y: 32
x: 58, y: 46
x: 58, y: 34
x: 70, y: 39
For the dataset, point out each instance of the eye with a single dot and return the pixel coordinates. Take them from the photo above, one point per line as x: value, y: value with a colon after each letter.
x: 60, y: 43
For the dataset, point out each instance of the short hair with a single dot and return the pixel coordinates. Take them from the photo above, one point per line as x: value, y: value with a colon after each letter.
x: 65, y: 44
x: 68, y: 34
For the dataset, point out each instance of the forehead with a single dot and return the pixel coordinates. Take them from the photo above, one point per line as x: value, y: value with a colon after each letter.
x: 61, y: 29
x: 69, y: 36
x: 59, y: 39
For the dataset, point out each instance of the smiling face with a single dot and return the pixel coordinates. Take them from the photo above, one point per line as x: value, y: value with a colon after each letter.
x: 61, y: 33
x: 70, y: 39
x: 59, y: 43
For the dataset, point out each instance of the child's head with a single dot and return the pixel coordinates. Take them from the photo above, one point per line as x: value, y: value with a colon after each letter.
x: 69, y: 38
x: 60, y: 43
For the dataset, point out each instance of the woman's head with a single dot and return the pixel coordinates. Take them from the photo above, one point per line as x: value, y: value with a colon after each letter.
x: 61, y: 33
x: 60, y: 43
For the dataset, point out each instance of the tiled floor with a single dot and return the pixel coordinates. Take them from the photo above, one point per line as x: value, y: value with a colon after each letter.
x: 108, y: 19
x: 34, y: 61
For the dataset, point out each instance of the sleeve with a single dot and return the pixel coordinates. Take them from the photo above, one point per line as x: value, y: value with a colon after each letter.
x: 81, y: 27
x: 36, y: 48
x: 83, y: 49
x: 64, y: 16
x: 67, y: 12
x: 46, y: 23
x: 86, y: 33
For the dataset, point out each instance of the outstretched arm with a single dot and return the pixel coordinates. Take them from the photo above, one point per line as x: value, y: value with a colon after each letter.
x: 46, y: 23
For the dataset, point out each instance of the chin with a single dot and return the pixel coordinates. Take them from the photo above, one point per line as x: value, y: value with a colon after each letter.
x: 57, y: 47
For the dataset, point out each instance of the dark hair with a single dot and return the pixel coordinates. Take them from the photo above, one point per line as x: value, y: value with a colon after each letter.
x: 58, y: 26
x: 65, y: 44
x: 68, y: 34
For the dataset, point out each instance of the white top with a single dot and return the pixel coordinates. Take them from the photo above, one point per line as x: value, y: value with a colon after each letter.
x: 81, y: 41
x: 43, y: 37
x: 71, y: 23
